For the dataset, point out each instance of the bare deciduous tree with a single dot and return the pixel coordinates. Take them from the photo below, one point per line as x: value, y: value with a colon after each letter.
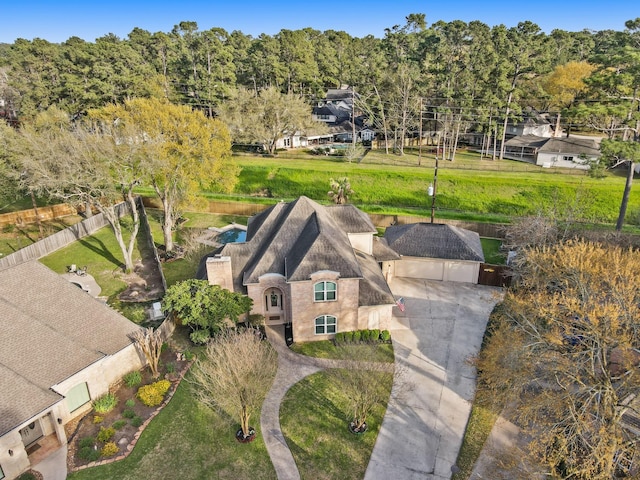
x: 150, y: 342
x: 363, y: 381
x: 235, y: 374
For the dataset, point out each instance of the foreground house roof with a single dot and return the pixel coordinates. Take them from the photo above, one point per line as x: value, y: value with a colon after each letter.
x: 49, y: 330
x: 433, y: 240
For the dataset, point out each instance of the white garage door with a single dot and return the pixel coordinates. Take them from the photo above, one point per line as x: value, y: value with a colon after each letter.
x: 427, y: 269
x: 461, y: 272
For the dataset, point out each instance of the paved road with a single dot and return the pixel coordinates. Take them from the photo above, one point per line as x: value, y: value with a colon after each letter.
x: 441, y: 328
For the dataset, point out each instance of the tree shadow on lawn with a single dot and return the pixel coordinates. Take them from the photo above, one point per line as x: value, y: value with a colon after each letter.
x: 101, y: 250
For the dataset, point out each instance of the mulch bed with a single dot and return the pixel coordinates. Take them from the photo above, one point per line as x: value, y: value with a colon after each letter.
x: 126, y: 436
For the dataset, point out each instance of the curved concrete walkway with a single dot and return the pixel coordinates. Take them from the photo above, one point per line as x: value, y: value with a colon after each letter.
x: 292, y: 367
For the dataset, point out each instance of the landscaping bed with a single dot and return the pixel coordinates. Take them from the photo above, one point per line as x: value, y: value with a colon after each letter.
x: 101, y: 438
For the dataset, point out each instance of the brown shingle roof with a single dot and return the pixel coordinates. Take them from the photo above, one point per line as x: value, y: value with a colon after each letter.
x: 435, y: 240
x: 49, y: 330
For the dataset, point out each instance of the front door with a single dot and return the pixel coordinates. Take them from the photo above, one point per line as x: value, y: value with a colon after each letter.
x: 274, y: 306
x: 31, y: 433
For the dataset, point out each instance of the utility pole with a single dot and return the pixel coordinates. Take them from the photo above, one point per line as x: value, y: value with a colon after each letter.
x: 353, y: 117
x: 420, y: 136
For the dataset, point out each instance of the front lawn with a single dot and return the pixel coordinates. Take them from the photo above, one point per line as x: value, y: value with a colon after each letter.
x: 314, y: 421
x: 188, y: 441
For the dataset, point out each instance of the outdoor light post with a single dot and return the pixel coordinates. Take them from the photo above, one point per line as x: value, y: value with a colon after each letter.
x: 431, y: 191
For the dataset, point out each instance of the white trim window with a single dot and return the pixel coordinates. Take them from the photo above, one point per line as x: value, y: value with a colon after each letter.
x: 325, y: 292
x: 326, y: 324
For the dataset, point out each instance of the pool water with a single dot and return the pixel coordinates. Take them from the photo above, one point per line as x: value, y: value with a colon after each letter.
x: 232, y: 235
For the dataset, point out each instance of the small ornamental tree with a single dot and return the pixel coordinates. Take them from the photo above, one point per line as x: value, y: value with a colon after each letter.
x: 205, y: 308
x: 235, y: 374
x: 150, y: 342
x: 363, y: 381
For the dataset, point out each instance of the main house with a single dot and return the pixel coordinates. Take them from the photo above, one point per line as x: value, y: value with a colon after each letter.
x: 315, y: 267
x: 60, y: 348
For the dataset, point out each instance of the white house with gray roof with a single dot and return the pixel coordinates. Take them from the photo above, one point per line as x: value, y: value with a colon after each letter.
x: 316, y: 267
x: 60, y: 348
x: 434, y: 251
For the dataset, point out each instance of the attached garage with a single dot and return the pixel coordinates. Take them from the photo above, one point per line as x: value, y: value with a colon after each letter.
x: 434, y: 252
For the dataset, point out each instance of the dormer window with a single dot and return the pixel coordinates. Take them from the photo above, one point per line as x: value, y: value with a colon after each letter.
x: 325, y: 291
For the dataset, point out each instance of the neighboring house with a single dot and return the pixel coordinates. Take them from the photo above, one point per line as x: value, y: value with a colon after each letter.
x: 533, y: 123
x: 296, y: 140
x: 60, y: 348
x: 435, y: 252
x: 315, y: 267
x: 571, y: 152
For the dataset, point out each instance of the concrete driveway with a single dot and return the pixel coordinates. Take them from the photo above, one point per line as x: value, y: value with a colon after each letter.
x: 441, y: 328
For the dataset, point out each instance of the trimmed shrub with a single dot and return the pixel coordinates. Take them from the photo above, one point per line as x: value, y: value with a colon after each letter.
x: 200, y: 337
x: 128, y: 413
x: 365, y: 335
x: 357, y: 335
x: 98, y: 419
x: 385, y: 335
x: 136, y: 421
x: 348, y: 337
x: 105, y: 403
x: 153, y: 394
x: 130, y: 403
x: 87, y: 442
x: 188, y: 355
x: 339, y: 337
x: 118, y: 424
x: 374, y: 335
x: 89, y: 454
x: 133, y: 379
x: 105, y: 434
x: 109, y: 449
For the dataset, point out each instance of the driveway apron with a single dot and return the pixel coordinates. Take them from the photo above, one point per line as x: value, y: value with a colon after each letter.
x: 441, y: 328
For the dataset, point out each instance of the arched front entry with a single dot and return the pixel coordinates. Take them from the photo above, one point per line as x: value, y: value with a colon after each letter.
x: 274, y: 311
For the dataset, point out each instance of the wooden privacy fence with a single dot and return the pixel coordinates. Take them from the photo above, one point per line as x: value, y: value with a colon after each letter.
x: 60, y: 239
x: 29, y: 216
x: 494, y: 275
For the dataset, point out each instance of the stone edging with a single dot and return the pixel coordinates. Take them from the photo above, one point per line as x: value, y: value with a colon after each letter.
x: 136, y: 436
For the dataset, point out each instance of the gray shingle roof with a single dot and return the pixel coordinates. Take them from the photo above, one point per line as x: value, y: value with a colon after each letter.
x: 433, y: 240
x: 527, y: 141
x: 49, y: 330
x: 294, y: 240
x: 571, y: 145
x: 374, y: 289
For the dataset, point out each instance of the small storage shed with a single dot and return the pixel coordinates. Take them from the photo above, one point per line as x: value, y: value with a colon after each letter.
x: 434, y: 251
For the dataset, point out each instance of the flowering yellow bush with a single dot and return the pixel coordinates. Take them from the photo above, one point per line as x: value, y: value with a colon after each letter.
x: 98, y: 418
x: 152, y: 394
x: 109, y: 449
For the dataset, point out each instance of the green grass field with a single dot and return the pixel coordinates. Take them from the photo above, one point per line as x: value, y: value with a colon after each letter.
x: 467, y: 187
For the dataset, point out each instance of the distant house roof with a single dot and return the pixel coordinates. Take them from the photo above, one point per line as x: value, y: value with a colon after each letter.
x: 526, y: 141
x: 49, y: 330
x: 299, y: 238
x: 571, y: 145
x: 433, y: 240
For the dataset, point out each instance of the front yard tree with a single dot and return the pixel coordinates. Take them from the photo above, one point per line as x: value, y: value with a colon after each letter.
x: 150, y: 342
x: 267, y: 117
x: 562, y: 351
x: 184, y: 153
x: 205, y: 308
x: 340, y: 190
x: 235, y: 374
x: 363, y: 381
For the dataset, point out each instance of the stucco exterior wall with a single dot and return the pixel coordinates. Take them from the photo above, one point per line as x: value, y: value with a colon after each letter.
x: 362, y: 242
x: 13, y: 465
x: 375, y: 317
x: 99, y: 377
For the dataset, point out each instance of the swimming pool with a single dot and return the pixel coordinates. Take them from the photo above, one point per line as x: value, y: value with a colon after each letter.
x: 231, y: 235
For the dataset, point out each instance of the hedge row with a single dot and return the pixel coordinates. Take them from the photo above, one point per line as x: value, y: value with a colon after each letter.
x: 363, y: 336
